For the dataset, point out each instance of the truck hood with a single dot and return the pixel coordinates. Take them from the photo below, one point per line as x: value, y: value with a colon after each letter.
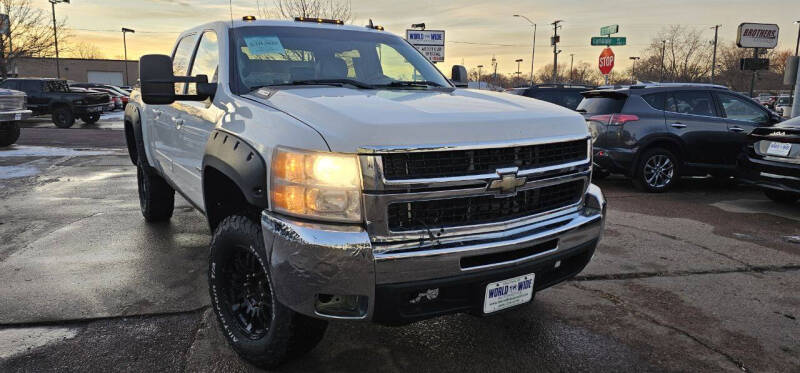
x: 349, y: 119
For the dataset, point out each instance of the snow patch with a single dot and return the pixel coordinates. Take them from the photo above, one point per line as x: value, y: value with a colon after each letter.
x: 11, y: 172
x: 19, y: 340
x: 45, y: 151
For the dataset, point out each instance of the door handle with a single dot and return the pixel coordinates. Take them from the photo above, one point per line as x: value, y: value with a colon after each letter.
x: 178, y: 122
x: 678, y: 125
x: 736, y: 129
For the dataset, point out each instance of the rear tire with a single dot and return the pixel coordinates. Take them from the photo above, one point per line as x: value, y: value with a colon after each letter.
x: 90, y: 118
x: 63, y: 117
x: 656, y: 171
x: 9, y: 133
x: 156, y: 197
x: 257, y: 326
x: 782, y: 196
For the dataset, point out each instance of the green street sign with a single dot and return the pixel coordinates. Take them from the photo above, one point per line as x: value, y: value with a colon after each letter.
x: 606, y: 40
x: 608, y: 30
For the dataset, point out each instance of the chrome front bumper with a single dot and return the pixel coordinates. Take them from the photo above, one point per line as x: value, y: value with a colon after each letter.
x: 309, y: 259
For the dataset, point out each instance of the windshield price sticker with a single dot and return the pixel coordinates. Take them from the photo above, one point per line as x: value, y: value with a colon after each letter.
x: 264, y: 45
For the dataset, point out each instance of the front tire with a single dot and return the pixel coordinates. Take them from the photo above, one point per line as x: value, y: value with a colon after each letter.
x: 656, y: 171
x: 156, y: 197
x: 257, y: 326
x: 90, y: 118
x: 9, y: 133
x: 782, y: 196
x: 63, y: 117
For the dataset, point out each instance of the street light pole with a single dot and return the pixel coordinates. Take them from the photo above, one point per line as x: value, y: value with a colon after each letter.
x: 797, y: 46
x: 555, y: 48
x: 663, y: 51
x: 125, y: 46
x: 479, y: 76
x: 571, y: 59
x: 633, y: 73
x: 55, y: 33
x: 533, y: 45
x: 714, y: 59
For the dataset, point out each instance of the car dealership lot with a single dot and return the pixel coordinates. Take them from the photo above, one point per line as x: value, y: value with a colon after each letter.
x: 702, y: 278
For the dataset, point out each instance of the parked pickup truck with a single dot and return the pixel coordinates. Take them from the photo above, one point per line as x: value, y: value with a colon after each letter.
x: 12, y: 110
x: 344, y: 177
x: 53, y: 96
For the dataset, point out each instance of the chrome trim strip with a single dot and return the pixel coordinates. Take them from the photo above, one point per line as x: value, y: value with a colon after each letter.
x: 379, y: 149
x: 776, y: 176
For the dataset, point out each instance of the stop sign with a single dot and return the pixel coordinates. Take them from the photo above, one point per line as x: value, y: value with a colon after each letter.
x: 606, y: 61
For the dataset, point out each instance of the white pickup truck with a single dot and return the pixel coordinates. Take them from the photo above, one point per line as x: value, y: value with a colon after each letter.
x: 344, y: 177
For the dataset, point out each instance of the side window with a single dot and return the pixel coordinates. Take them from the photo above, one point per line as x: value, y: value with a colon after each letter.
x: 692, y: 102
x: 8, y: 85
x: 655, y: 100
x: 206, y: 60
x: 180, y: 59
x: 31, y: 86
x: 738, y: 109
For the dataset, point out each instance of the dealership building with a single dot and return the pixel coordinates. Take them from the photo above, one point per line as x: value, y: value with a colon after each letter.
x: 79, y: 70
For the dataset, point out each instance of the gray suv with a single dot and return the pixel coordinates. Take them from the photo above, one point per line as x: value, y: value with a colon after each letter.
x: 657, y: 133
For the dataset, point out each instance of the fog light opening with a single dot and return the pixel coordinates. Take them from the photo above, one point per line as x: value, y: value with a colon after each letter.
x: 341, y: 305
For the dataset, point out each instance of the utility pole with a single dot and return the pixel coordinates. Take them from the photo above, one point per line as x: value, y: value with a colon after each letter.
x: 125, y: 45
x: 633, y: 73
x: 533, y: 45
x: 714, y: 59
x: 494, y: 64
x: 571, y: 59
x: 663, y: 51
x: 555, y: 48
x: 55, y: 33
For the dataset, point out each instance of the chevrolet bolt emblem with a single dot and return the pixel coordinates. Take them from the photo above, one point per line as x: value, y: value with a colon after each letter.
x: 508, y: 183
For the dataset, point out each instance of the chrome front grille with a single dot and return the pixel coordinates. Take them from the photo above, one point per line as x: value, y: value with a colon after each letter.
x: 12, y: 102
x: 418, y: 211
x: 415, y: 165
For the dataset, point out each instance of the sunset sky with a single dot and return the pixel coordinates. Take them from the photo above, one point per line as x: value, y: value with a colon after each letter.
x: 489, y: 24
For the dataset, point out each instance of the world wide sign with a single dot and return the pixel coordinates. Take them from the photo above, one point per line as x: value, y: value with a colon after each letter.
x: 429, y: 42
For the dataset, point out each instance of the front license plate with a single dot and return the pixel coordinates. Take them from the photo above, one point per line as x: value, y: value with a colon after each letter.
x: 508, y: 293
x: 17, y: 116
x: 779, y: 148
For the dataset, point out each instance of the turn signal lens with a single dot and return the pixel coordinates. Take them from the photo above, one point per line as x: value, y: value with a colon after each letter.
x: 316, y: 185
x: 614, y: 119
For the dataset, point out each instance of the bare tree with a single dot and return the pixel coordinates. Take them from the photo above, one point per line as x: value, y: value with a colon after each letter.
x: 686, y: 55
x: 30, y: 34
x: 332, y: 9
x: 86, y: 50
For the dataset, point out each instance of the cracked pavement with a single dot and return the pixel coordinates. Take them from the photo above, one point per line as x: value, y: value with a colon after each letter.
x: 704, y: 278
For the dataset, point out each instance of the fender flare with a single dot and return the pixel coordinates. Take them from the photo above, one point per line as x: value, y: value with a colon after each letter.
x: 133, y: 135
x: 240, y: 162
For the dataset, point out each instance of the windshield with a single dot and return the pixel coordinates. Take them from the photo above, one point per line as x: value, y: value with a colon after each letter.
x: 299, y: 55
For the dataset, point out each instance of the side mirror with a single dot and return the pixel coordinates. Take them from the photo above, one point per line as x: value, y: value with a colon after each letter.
x: 459, y: 76
x: 157, y: 80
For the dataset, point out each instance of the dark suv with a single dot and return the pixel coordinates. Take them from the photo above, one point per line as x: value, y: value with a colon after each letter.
x: 656, y: 133
x: 568, y: 96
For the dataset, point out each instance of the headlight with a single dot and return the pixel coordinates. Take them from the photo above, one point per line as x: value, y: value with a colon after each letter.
x: 316, y: 185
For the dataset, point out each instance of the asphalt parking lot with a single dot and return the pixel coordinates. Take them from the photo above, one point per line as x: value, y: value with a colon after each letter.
x: 704, y: 278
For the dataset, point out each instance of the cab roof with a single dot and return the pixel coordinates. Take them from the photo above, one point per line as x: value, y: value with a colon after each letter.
x: 237, y: 23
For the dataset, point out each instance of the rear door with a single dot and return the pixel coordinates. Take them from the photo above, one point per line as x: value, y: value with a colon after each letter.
x: 692, y: 116
x: 742, y: 116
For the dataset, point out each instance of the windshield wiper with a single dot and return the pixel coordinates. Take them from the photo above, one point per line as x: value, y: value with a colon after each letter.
x: 333, y: 82
x: 410, y: 83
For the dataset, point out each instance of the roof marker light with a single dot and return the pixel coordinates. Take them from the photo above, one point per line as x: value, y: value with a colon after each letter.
x: 248, y: 18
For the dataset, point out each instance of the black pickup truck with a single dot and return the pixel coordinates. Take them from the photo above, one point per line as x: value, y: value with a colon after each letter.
x: 52, y: 96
